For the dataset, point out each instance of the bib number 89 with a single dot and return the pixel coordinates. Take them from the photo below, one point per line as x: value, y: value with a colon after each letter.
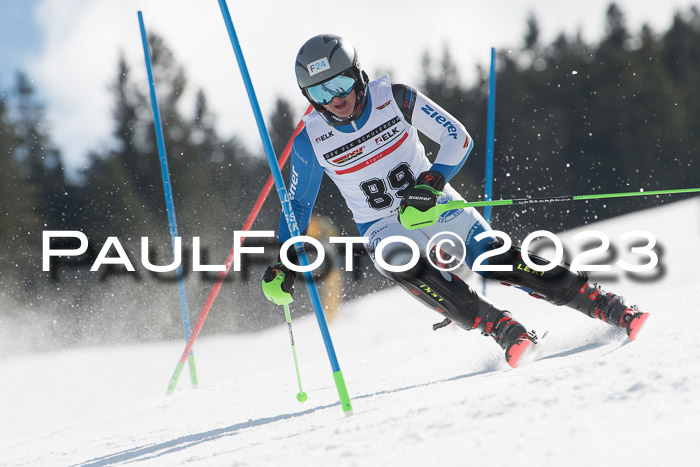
x: 400, y: 179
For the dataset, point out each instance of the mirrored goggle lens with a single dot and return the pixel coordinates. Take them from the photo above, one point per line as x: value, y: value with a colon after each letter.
x: 323, y: 93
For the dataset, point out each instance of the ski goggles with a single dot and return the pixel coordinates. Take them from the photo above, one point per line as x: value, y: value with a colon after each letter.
x: 339, y: 86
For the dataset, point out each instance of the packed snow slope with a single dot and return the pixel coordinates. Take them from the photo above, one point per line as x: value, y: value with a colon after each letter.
x: 419, y: 397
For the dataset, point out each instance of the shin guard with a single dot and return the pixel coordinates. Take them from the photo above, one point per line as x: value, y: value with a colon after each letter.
x: 447, y: 294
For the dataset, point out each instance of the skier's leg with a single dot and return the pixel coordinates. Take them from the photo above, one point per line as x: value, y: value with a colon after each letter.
x: 445, y: 292
x: 559, y: 285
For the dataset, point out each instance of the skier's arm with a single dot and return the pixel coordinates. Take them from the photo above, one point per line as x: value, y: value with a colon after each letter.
x: 306, y: 175
x: 438, y: 125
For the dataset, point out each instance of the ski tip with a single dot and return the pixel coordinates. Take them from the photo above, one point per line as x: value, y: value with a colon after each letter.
x: 517, y: 351
x: 636, y: 324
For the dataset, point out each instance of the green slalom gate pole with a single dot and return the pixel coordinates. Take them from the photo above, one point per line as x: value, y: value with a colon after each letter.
x: 412, y: 218
x: 288, y: 212
x: 301, y: 395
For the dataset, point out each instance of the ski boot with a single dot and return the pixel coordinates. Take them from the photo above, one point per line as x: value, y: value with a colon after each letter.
x: 512, y: 337
x: 633, y: 320
x: 592, y: 300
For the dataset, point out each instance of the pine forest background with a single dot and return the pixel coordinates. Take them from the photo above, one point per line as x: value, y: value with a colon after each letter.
x: 572, y: 117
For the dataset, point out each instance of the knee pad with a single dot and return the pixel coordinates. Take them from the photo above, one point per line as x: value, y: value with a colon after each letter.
x: 445, y: 293
x: 558, y: 285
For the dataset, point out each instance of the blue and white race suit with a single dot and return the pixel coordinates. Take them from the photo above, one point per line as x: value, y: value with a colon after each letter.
x: 376, y: 158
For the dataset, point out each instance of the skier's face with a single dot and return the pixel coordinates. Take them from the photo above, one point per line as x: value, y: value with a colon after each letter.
x: 342, y: 106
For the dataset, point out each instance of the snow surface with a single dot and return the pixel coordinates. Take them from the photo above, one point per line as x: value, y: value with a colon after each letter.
x: 419, y: 397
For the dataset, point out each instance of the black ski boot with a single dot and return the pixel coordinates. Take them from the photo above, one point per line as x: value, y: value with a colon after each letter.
x: 592, y: 300
x: 510, y: 335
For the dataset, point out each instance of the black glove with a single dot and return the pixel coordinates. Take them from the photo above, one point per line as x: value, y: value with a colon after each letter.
x: 424, y: 194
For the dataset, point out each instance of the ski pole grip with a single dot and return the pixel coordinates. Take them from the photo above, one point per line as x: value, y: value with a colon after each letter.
x: 275, y: 293
x: 412, y: 218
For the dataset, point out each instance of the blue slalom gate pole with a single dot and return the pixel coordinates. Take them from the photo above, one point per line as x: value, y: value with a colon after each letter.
x: 287, y: 209
x: 490, y: 131
x: 170, y: 206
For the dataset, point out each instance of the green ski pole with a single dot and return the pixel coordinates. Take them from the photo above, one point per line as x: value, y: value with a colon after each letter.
x: 274, y: 292
x: 412, y: 218
x: 301, y: 395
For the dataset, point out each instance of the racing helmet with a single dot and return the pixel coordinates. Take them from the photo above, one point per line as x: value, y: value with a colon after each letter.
x: 326, y: 67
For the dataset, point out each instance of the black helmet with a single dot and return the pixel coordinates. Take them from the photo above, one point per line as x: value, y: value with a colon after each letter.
x: 321, y: 59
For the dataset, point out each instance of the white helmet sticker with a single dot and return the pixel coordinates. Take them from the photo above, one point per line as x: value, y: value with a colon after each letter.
x: 318, y: 66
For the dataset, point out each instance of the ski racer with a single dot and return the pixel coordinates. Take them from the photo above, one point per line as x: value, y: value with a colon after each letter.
x: 364, y: 135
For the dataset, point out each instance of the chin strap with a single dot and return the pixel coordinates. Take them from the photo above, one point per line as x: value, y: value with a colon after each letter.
x: 335, y: 121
